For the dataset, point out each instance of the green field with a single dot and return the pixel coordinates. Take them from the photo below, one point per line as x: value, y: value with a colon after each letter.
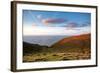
x: 50, y: 55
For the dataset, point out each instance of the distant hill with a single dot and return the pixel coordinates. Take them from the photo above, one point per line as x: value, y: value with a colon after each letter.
x: 79, y: 41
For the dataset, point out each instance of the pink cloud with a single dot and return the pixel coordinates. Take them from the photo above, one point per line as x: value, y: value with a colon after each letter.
x: 53, y: 21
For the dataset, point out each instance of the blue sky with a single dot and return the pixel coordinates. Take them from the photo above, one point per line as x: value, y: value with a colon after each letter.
x: 55, y: 23
x: 56, y: 19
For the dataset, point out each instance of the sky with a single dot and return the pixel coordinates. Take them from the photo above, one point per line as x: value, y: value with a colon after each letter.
x: 55, y: 23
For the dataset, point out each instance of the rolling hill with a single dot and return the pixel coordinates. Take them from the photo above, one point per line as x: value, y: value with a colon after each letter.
x: 79, y: 41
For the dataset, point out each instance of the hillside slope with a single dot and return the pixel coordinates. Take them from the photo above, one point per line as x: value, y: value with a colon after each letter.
x: 80, y: 41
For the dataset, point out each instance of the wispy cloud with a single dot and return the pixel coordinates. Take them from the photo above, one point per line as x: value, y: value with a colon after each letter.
x: 72, y: 25
x: 34, y: 24
x: 39, y: 16
x: 75, y: 25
